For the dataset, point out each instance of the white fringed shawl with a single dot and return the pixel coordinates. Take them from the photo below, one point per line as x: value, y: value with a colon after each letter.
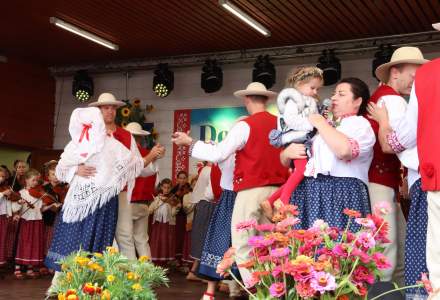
x: 116, y: 167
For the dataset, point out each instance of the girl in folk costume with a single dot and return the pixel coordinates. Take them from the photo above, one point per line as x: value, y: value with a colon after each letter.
x: 89, y: 214
x: 164, y: 209
x: 58, y: 192
x: 30, y: 245
x: 295, y: 104
x: 5, y: 213
x: 179, y: 190
x: 17, y: 182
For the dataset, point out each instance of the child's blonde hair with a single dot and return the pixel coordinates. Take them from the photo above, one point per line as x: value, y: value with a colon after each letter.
x: 303, y: 74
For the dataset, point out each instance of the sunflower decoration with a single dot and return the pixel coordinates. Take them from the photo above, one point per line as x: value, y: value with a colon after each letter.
x: 124, y: 124
x: 125, y: 112
x: 136, y: 102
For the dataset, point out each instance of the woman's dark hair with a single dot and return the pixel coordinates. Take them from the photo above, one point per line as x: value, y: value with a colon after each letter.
x: 17, y: 161
x: 359, y: 89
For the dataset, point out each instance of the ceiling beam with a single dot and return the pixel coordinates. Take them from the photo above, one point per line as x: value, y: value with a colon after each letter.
x: 342, y: 48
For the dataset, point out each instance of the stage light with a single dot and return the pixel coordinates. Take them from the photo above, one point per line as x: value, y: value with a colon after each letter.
x: 264, y: 71
x: 82, y: 86
x: 381, y: 57
x: 212, y: 76
x: 81, y: 32
x: 330, y: 66
x: 163, y: 81
x: 244, y: 17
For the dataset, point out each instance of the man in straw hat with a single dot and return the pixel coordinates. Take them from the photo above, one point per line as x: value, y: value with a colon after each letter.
x: 142, y: 195
x: 417, y: 133
x: 258, y: 170
x: 108, y: 105
x: 396, y: 79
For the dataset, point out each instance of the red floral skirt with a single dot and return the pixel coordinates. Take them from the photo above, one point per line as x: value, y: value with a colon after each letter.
x: 3, y: 238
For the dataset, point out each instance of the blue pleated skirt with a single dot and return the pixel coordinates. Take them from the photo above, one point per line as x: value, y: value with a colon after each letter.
x: 93, y: 234
x: 415, y: 244
x: 218, y: 237
x: 325, y: 197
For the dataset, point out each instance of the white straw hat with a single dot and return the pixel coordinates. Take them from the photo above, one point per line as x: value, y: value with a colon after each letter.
x: 436, y: 26
x: 255, y: 89
x: 402, y: 55
x: 136, y: 129
x: 107, y: 99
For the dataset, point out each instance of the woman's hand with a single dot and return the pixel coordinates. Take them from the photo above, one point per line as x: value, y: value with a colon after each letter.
x: 293, y: 151
x: 7, y: 192
x: 85, y: 171
x: 377, y: 113
x: 317, y: 120
x: 181, y: 139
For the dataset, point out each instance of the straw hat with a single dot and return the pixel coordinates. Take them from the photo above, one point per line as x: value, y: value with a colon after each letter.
x: 255, y: 89
x: 107, y: 99
x: 136, y: 129
x: 436, y: 26
x: 402, y: 55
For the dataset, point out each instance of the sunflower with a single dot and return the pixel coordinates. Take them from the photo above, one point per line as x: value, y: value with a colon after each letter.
x: 124, y: 124
x: 136, y: 102
x: 125, y: 112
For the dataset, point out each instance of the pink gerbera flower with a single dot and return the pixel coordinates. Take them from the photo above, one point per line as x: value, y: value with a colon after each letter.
x: 381, y: 261
x: 322, y: 282
x: 277, y: 289
x: 280, y: 252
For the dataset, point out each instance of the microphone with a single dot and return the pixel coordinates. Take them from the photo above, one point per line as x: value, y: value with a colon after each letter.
x: 325, y: 105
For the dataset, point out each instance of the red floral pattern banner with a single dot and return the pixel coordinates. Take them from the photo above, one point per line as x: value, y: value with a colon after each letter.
x: 182, y: 123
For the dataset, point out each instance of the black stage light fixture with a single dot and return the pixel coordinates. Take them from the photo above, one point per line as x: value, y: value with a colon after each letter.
x: 82, y: 86
x: 382, y: 56
x: 330, y: 66
x: 163, y: 81
x: 264, y: 71
x: 212, y: 76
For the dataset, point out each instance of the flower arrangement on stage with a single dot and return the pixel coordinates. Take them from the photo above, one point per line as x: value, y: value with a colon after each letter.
x: 106, y: 276
x: 321, y: 262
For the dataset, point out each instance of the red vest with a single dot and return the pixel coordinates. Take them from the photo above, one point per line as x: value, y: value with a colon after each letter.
x: 427, y: 85
x: 123, y: 136
x: 216, y: 175
x: 258, y: 163
x: 385, y: 168
x: 144, y: 186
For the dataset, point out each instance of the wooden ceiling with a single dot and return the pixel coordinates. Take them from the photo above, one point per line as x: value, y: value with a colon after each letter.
x: 152, y: 28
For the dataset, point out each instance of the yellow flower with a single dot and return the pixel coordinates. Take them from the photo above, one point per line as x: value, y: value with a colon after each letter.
x: 94, y: 266
x: 136, y: 287
x: 144, y: 258
x: 130, y: 275
x: 302, y: 259
x: 110, y: 278
x: 124, y: 124
x: 69, y: 276
x: 82, y: 261
x: 105, y: 295
x: 64, y: 267
x: 61, y: 296
x: 97, y: 254
x: 136, y: 102
x: 112, y: 250
x: 125, y: 112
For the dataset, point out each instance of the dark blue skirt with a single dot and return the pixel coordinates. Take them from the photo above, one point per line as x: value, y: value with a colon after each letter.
x: 218, y: 237
x: 93, y: 234
x: 415, y: 244
x: 325, y: 197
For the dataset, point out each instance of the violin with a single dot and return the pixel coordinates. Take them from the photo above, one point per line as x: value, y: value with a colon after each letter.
x: 41, y: 194
x: 61, y: 190
x: 13, y: 197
